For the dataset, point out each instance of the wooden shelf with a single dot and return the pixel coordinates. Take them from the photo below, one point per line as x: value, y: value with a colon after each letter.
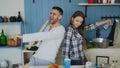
x: 96, y: 4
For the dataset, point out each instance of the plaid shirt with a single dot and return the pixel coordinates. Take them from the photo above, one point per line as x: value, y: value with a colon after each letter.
x: 73, y: 42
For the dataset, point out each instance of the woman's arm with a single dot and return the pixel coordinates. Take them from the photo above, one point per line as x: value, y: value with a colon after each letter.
x: 93, y: 26
x: 108, y: 21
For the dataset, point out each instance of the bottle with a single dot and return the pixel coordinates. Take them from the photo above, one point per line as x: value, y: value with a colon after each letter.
x: 3, y: 39
x: 108, y: 1
x: 19, y: 18
x: 104, y: 1
x: 99, y: 1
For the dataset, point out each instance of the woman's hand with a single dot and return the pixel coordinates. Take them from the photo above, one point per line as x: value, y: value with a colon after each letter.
x: 109, y: 22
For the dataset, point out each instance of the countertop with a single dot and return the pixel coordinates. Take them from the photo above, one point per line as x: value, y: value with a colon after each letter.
x: 73, y: 66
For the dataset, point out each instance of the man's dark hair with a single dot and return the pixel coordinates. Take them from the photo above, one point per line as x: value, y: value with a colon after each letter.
x: 58, y: 8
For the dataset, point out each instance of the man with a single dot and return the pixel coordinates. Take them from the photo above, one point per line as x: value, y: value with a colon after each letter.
x: 51, y: 39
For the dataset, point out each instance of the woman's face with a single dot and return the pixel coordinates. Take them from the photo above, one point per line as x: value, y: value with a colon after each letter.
x: 77, y: 21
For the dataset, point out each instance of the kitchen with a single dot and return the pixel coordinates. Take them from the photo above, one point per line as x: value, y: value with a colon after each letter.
x: 37, y: 12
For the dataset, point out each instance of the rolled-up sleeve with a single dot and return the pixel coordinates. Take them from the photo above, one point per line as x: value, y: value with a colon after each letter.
x: 90, y: 27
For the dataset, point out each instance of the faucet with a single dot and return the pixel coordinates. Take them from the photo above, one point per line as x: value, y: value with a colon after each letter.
x: 97, y: 33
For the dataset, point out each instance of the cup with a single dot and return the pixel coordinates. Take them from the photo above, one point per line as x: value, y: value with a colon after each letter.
x: 67, y: 63
x: 112, y: 1
x: 104, y: 1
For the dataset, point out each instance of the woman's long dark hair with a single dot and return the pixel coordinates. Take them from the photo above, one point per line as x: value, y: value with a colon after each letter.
x: 81, y: 27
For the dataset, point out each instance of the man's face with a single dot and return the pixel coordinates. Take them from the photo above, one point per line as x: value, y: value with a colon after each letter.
x: 54, y: 16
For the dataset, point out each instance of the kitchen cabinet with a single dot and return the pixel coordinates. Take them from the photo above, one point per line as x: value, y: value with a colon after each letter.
x: 11, y: 53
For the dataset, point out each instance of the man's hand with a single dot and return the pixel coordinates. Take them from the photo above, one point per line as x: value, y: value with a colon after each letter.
x: 17, y: 36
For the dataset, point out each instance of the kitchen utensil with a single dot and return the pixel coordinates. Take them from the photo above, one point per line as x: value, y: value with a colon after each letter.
x: 100, y: 42
x: 4, y: 63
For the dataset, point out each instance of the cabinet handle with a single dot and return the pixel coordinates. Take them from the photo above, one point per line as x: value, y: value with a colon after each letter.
x: 33, y: 1
x: 69, y: 1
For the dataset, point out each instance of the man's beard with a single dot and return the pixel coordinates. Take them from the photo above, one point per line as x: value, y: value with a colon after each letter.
x: 54, y: 21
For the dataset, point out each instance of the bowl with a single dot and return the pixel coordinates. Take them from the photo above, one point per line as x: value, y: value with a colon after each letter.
x: 101, y: 42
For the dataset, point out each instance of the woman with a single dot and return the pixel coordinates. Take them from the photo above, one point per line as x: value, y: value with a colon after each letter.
x: 74, y: 35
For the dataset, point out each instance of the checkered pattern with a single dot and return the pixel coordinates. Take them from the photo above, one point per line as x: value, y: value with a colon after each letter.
x: 72, y: 47
x: 73, y: 41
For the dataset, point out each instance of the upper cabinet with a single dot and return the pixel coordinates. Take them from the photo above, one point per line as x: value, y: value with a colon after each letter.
x: 97, y: 4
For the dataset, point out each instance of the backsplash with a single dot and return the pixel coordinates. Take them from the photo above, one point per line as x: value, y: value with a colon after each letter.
x: 113, y: 53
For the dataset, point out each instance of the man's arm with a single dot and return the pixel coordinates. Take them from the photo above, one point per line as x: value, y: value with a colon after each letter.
x: 48, y: 35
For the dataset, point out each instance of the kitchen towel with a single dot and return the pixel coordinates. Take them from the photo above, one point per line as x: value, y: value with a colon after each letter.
x: 111, y: 35
x: 117, y: 35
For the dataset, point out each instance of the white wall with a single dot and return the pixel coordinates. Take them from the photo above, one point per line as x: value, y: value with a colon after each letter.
x: 11, y: 7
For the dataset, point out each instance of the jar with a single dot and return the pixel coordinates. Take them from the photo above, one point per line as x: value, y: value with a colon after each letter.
x: 5, y: 19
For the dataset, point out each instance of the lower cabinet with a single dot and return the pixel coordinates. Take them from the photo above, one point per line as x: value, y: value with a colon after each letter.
x: 11, y: 54
x: 112, y: 53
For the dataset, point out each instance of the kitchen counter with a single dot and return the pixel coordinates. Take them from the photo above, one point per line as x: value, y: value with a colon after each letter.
x: 73, y: 66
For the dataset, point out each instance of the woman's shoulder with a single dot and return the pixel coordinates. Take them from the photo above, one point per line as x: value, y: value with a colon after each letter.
x: 70, y: 27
